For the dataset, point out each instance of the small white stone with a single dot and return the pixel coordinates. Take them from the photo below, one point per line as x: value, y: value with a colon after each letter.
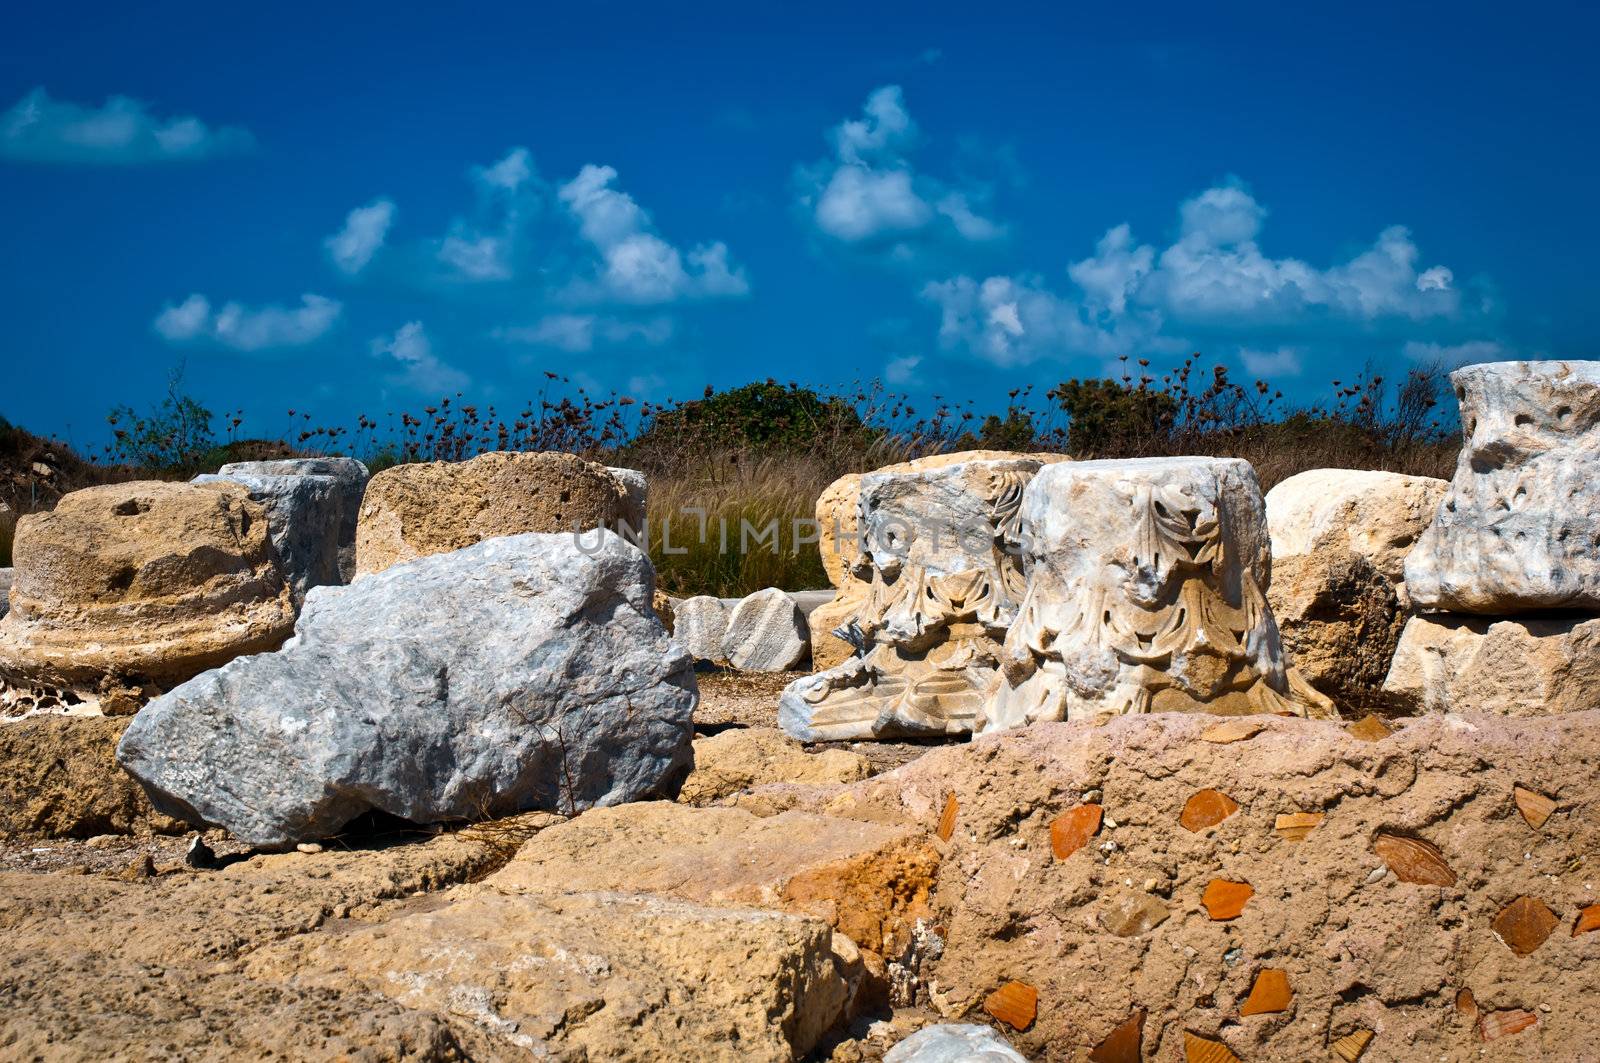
x: 1376, y: 874
x: 308, y: 847
x: 1110, y: 823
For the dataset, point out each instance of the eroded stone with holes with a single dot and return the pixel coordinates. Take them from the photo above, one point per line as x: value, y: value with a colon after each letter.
x: 1145, y: 593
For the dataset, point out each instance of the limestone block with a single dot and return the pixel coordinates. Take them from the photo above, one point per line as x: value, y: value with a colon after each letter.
x: 942, y: 581
x: 126, y: 590
x: 742, y: 757
x: 1145, y: 594
x: 1375, y: 515
x: 1340, y: 620
x: 1516, y: 532
x: 699, y: 624
x: 766, y: 633
x: 412, y: 511
x: 1511, y: 667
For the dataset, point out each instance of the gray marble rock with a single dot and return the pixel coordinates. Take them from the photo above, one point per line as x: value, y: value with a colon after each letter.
x: 1516, y: 533
x: 352, y: 476
x: 7, y: 577
x: 767, y: 632
x: 303, y: 519
x: 636, y: 497
x: 524, y: 672
x: 698, y: 625
x: 954, y: 1042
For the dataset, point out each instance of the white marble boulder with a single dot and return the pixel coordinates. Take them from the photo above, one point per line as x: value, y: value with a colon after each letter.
x: 766, y: 633
x: 699, y: 625
x: 524, y: 672
x: 942, y: 584
x: 954, y: 1042
x: 1372, y: 514
x: 1517, y: 531
x: 1145, y: 593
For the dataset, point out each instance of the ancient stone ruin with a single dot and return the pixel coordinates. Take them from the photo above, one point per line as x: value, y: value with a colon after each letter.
x: 125, y: 591
x: 943, y: 579
x: 1145, y: 593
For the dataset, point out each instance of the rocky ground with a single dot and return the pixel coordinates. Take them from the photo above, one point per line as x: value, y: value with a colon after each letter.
x: 1279, y: 887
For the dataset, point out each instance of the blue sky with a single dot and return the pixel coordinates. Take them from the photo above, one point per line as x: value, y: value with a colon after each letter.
x: 350, y: 208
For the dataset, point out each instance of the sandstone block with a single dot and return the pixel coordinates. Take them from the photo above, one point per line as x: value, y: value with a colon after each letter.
x: 742, y: 757
x: 1145, y: 593
x: 521, y: 673
x: 412, y: 511
x: 126, y: 590
x: 1340, y: 620
x: 1516, y: 531
x: 1511, y: 667
x: 766, y: 633
x: 59, y: 778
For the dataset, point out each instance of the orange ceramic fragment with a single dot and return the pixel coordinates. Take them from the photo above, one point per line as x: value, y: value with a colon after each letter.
x: 1497, y: 1024
x: 1016, y: 1004
x: 1466, y: 1003
x: 1235, y: 730
x: 1414, y: 860
x: 1524, y: 924
x: 1588, y: 920
x: 1534, y: 806
x: 1224, y: 899
x: 1205, y: 809
x: 1197, y: 1049
x: 947, y: 818
x: 1122, y: 1045
x: 1294, y: 826
x: 1351, y: 1045
x: 1270, y: 994
x: 1370, y: 729
x: 1073, y: 829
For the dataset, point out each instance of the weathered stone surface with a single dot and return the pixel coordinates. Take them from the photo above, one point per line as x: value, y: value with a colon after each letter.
x: 7, y: 577
x: 59, y: 778
x: 1516, y: 667
x: 1340, y: 621
x: 412, y: 511
x: 828, y: 649
x: 1145, y: 594
x: 1375, y: 515
x: 1007, y: 910
x: 126, y: 590
x: 304, y: 517
x: 352, y: 476
x: 953, y: 1043
x: 635, y: 496
x: 699, y: 625
x: 944, y: 583
x: 523, y: 672
x: 869, y: 881
x: 742, y: 757
x: 1516, y: 531
x: 766, y: 633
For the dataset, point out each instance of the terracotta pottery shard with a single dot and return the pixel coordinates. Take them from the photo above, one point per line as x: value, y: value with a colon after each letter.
x: 1370, y: 729
x: 1016, y: 1004
x: 1294, y: 826
x: 1524, y: 924
x: 1122, y: 1045
x: 1535, y: 807
x: 1224, y: 899
x: 1270, y: 994
x: 1129, y: 914
x: 947, y: 818
x: 1351, y: 1045
x: 1235, y: 730
x: 1588, y: 920
x: 1206, y: 809
x: 1073, y: 828
x: 1498, y: 1024
x: 1466, y: 1003
x: 1414, y: 860
x: 1197, y: 1049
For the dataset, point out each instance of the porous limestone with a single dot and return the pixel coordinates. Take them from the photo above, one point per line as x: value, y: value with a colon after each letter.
x: 521, y: 673
x: 126, y: 590
x: 943, y: 581
x: 1516, y: 532
x: 1145, y: 594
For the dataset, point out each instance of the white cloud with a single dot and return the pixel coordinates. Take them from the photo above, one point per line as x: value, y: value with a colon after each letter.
x: 365, y: 228
x: 870, y: 192
x: 1269, y: 365
x: 636, y: 265
x: 1115, y: 270
x: 122, y: 131
x: 1017, y: 320
x: 483, y: 247
x: 421, y: 369
x: 249, y: 329
x: 1454, y: 355
x: 579, y: 332
x: 1437, y: 279
x: 901, y: 370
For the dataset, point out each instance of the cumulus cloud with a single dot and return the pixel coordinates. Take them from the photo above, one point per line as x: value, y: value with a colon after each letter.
x: 482, y: 247
x: 421, y: 369
x: 1454, y: 355
x: 580, y: 332
x: 365, y: 228
x: 1137, y: 299
x: 636, y: 264
x: 245, y: 328
x: 903, y: 369
x: 122, y: 131
x: 870, y: 192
